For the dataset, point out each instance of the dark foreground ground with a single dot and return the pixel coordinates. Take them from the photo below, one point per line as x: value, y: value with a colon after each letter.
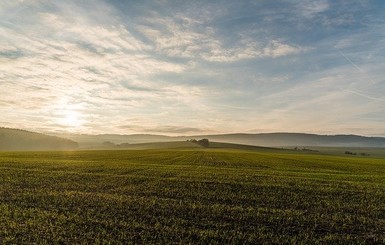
x: 217, y: 196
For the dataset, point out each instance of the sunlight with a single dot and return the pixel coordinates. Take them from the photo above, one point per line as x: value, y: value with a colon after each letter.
x: 71, y: 119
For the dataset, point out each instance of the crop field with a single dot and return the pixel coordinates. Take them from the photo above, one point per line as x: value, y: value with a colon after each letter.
x: 182, y: 196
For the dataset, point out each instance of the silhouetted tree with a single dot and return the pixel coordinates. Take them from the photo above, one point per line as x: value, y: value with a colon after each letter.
x: 204, y: 142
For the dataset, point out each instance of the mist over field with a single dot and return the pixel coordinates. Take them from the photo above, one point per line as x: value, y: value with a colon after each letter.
x: 13, y: 139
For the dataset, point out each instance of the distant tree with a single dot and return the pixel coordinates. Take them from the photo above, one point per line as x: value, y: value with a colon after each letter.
x: 204, y: 142
x: 201, y: 142
x: 350, y: 153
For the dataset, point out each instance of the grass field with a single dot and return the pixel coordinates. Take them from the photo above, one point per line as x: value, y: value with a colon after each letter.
x: 216, y: 196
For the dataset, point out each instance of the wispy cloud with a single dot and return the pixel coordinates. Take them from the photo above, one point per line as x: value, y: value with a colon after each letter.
x: 161, y: 67
x: 184, y: 37
x: 310, y: 8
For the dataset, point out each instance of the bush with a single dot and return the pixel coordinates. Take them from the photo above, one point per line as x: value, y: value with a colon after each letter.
x: 204, y: 142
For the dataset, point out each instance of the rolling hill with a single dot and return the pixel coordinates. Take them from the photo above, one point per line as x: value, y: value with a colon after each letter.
x: 16, y: 139
x: 299, y: 139
x: 265, y: 139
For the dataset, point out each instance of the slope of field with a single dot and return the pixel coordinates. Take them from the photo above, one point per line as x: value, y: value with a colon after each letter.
x: 356, y: 151
x: 15, y: 139
x: 216, y: 196
x: 161, y: 145
x: 192, y: 145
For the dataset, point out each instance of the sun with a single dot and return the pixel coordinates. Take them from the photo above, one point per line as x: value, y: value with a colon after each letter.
x: 71, y: 119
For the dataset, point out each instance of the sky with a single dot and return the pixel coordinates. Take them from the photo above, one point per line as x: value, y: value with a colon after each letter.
x: 193, y: 67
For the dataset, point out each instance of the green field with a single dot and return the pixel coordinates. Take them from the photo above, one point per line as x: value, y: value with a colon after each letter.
x: 191, y: 195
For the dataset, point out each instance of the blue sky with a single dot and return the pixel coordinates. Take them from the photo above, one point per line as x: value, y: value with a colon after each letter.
x: 193, y: 67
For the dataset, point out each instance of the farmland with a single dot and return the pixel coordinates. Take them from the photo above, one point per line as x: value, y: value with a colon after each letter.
x: 191, y: 195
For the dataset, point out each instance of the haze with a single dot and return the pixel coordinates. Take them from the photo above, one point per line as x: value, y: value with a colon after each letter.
x: 193, y: 67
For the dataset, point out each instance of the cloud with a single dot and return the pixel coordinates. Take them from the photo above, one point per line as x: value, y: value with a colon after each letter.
x: 191, y: 66
x: 304, y: 106
x: 251, y: 50
x: 276, y: 49
x: 185, y: 37
x: 76, y: 58
x: 310, y: 8
x: 99, y: 38
x: 366, y: 95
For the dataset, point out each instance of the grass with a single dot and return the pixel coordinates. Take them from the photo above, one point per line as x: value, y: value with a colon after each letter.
x: 216, y: 196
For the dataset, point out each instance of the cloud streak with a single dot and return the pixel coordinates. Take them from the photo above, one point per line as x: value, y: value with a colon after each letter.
x: 191, y: 67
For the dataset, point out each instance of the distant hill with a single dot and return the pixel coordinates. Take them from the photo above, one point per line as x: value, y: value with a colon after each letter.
x: 265, y: 139
x: 299, y: 139
x: 96, y: 141
x: 191, y: 145
x: 16, y: 139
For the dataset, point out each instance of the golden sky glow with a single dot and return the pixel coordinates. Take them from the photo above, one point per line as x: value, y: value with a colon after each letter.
x: 193, y: 67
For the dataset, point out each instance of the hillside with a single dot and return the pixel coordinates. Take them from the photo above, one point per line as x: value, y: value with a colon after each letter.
x: 152, y: 145
x: 299, y: 139
x: 16, y: 139
x: 188, y: 145
x: 265, y: 139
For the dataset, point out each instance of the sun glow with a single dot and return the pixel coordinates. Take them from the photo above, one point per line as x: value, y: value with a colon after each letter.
x: 69, y: 114
x: 71, y: 119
